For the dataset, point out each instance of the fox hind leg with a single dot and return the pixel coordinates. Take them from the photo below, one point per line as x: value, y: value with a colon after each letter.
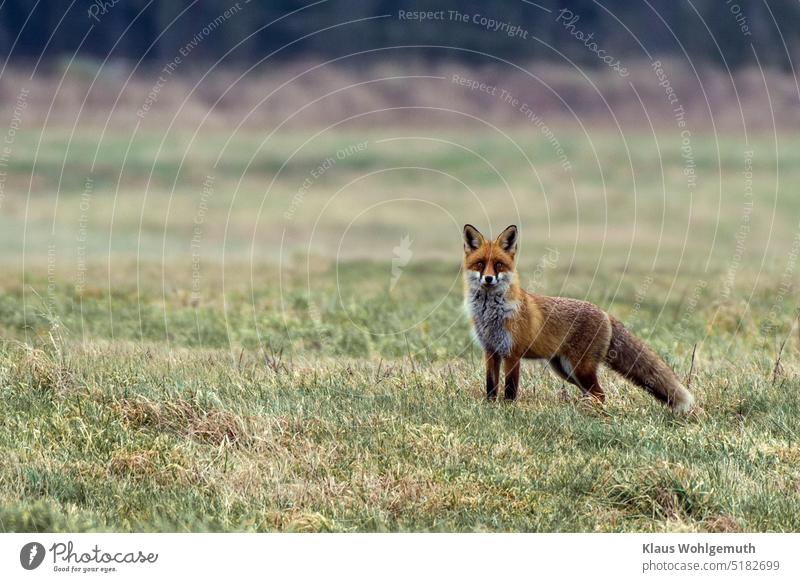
x: 584, y: 378
x: 590, y: 384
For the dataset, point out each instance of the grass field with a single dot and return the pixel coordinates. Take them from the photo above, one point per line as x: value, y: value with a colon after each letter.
x: 201, y: 334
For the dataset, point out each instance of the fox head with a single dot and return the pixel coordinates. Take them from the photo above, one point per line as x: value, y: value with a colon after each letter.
x: 490, y: 263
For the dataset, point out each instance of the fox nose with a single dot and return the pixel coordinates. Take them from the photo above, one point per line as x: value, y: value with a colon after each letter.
x: 488, y: 279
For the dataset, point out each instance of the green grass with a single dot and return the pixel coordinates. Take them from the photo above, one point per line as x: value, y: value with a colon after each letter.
x: 299, y: 390
x: 128, y: 437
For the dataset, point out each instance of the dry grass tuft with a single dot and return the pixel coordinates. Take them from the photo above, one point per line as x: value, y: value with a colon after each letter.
x: 665, y: 491
x: 722, y: 524
x: 212, y: 426
x: 46, y: 371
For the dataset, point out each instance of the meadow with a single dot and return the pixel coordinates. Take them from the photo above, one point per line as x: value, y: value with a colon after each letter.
x: 223, y: 332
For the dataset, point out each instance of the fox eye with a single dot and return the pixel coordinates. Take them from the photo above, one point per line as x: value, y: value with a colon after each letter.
x: 498, y: 266
x: 479, y: 266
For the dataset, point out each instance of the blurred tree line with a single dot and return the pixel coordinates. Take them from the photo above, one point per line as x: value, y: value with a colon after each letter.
x: 716, y: 31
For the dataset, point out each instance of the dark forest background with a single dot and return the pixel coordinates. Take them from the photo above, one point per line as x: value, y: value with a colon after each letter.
x: 707, y: 31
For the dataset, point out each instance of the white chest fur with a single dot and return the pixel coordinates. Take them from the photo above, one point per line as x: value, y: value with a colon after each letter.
x: 489, y: 310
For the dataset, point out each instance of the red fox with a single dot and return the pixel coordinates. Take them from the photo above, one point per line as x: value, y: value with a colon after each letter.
x: 574, y: 336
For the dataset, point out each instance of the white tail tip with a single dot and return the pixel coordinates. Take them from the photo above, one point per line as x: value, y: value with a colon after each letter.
x: 684, y: 403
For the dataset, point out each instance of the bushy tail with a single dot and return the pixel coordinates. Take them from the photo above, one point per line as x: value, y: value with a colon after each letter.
x: 629, y: 356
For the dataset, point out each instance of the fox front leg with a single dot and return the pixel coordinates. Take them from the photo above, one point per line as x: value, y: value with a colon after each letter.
x: 492, y: 375
x: 512, y: 377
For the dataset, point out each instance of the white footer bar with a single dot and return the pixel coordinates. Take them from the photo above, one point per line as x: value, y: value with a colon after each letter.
x: 485, y: 557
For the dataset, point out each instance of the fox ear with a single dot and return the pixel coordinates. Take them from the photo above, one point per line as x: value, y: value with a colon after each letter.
x: 508, y: 239
x: 472, y: 238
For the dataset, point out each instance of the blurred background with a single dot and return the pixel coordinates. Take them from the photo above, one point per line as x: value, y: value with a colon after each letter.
x: 225, y: 174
